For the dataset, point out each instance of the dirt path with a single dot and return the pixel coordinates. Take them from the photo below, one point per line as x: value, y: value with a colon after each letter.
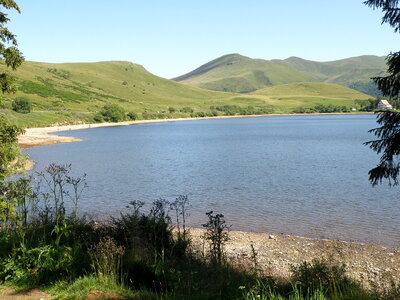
x: 7, y: 293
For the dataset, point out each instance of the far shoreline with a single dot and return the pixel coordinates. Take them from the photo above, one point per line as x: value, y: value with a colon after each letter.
x: 42, y: 136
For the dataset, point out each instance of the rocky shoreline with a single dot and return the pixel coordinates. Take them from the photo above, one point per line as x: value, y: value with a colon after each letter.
x: 275, y: 254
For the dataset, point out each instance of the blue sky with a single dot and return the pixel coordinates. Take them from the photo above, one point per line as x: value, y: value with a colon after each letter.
x: 172, y: 37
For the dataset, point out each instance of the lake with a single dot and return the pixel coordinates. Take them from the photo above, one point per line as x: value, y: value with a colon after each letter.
x: 301, y: 175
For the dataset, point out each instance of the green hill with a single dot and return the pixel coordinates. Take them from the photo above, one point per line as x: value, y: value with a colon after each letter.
x: 355, y: 72
x: 76, y: 92
x: 242, y: 74
x: 309, y: 94
x: 311, y: 89
x: 88, y: 86
x: 236, y: 73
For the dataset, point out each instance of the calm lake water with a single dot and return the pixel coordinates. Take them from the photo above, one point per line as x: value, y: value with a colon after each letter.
x: 302, y: 175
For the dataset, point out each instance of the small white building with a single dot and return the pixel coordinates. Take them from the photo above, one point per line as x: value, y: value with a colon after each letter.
x: 384, y: 104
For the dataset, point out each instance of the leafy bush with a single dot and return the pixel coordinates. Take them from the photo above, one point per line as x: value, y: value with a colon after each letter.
x: 113, y: 113
x: 322, y: 108
x: 304, y: 110
x: 9, y: 149
x: 199, y: 114
x: 149, y: 116
x: 40, y: 241
x: 132, y: 116
x: 231, y: 110
x: 319, y: 274
x: 367, y: 105
x: 59, y: 73
x: 214, y: 113
x: 39, y: 264
x: 152, y: 231
x: 98, y: 118
x: 186, y: 109
x: 22, y: 105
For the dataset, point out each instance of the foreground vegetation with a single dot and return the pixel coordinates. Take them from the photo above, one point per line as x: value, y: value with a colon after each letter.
x: 141, y: 254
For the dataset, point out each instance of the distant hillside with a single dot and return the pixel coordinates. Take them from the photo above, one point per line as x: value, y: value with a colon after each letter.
x: 236, y: 73
x: 311, y: 89
x: 309, y: 94
x: 355, y: 72
x: 242, y: 74
x: 75, y: 92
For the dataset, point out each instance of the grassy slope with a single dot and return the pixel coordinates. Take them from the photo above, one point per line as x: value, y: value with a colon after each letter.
x: 65, y: 93
x: 329, y: 70
x: 89, y: 86
x: 354, y: 72
x: 250, y: 74
x: 83, y: 88
x: 236, y: 73
x: 308, y: 94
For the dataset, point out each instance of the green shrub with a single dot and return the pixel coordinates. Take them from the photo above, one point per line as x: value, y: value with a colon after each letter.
x: 186, y: 109
x: 132, y: 116
x: 40, y: 264
x: 153, y: 231
x: 113, y: 113
x: 22, y: 105
x: 98, y: 118
x: 320, y: 274
x: 59, y: 73
x: 149, y: 116
x: 214, y: 113
x: 9, y: 149
x: 199, y: 114
x: 367, y: 105
x: 321, y: 108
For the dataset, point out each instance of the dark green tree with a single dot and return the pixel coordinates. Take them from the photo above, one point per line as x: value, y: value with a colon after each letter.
x: 132, y: 115
x: 113, y: 113
x: 9, y: 149
x: 390, y: 84
x: 8, y: 48
x: 388, y: 142
x: 12, y: 57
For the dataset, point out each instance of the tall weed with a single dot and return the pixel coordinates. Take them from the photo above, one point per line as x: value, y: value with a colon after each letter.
x: 216, y: 235
x: 106, y: 259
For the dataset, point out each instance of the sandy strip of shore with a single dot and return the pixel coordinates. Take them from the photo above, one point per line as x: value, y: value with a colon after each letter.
x: 34, y: 137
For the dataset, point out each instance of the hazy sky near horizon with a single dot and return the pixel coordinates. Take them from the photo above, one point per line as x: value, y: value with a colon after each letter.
x: 172, y: 37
